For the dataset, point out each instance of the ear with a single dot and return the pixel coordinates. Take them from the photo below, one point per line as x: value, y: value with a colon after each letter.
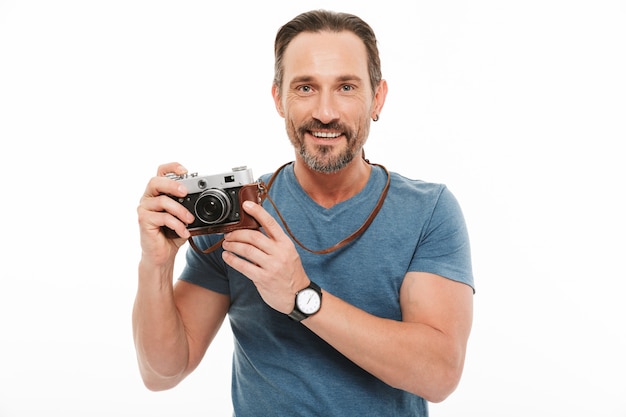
x: 379, y: 99
x: 277, y: 100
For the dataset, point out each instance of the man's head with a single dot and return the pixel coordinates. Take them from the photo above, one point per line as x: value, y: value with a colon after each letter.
x: 327, y: 86
x: 323, y: 20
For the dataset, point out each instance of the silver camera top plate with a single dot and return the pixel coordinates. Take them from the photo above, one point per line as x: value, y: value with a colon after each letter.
x: 238, y: 177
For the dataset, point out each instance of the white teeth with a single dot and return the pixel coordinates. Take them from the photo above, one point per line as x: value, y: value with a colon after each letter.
x: 326, y: 135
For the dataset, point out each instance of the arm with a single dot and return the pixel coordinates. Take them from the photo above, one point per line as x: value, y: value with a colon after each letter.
x: 172, y: 326
x: 423, y: 354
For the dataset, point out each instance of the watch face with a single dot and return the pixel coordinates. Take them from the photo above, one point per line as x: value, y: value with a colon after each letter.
x: 308, y: 301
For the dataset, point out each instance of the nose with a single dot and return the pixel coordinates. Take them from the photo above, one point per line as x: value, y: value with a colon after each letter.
x: 325, y: 108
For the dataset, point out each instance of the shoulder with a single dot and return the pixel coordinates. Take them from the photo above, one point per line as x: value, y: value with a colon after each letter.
x: 402, y: 182
x: 416, y: 191
x: 281, y: 172
x: 429, y: 203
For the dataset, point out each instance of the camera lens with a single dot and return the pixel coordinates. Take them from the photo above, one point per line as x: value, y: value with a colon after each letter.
x: 212, y: 206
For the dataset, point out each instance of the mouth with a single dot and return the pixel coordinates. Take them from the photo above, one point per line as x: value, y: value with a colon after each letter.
x: 325, y: 135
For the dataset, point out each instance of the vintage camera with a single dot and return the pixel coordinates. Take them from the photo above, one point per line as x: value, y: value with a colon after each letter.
x: 215, y: 201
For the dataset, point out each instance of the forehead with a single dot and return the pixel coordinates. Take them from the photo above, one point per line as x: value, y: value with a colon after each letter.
x: 326, y: 54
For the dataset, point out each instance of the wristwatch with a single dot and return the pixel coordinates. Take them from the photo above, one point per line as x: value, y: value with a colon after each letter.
x: 308, y: 302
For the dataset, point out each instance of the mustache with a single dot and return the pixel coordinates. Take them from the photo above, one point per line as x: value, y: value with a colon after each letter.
x: 317, y: 125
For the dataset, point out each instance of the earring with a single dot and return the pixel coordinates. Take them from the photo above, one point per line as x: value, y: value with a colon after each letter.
x: 375, y: 118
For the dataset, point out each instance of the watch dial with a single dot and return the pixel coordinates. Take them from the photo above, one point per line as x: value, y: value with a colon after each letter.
x: 308, y: 301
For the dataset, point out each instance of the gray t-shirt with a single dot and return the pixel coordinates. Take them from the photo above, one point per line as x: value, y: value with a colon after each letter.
x: 280, y: 368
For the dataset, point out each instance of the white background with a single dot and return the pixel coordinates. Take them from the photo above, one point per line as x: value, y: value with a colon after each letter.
x: 518, y: 107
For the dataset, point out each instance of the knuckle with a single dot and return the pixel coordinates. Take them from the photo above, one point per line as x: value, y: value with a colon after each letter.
x: 248, y: 251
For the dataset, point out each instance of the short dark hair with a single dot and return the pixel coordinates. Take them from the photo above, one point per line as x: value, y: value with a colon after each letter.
x: 324, y: 20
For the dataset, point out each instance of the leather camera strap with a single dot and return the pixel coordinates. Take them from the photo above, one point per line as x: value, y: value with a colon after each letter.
x: 264, y: 194
x: 344, y: 241
x: 204, y: 251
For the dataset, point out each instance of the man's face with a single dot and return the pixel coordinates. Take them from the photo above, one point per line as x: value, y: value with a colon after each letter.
x: 326, y: 99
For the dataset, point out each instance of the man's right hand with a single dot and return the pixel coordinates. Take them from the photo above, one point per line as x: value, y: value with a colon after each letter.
x: 156, y: 209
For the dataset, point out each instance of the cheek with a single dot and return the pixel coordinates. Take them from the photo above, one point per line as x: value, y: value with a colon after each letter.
x: 362, y: 130
x: 294, y: 120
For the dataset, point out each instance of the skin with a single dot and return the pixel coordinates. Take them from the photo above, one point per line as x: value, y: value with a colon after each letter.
x: 326, y: 84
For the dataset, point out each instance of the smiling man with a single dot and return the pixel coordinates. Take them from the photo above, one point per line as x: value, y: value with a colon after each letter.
x: 327, y: 98
x: 354, y: 298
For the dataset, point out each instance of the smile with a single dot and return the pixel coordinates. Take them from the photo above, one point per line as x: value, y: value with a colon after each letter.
x: 326, y: 135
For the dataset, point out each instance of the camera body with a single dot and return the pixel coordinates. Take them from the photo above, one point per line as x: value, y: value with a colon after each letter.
x: 215, y: 201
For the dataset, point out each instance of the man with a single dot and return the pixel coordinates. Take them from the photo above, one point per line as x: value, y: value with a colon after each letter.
x: 385, y: 290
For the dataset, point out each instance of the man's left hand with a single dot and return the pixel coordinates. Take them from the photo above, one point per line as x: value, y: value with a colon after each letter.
x: 269, y: 259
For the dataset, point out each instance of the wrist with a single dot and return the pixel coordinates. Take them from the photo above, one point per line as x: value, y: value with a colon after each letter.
x: 308, y: 301
x: 151, y: 273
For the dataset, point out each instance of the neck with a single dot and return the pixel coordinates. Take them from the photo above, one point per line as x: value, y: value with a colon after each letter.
x: 330, y: 189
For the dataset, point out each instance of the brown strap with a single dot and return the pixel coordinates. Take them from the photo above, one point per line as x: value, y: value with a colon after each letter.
x: 348, y: 239
x: 205, y: 251
x: 264, y: 193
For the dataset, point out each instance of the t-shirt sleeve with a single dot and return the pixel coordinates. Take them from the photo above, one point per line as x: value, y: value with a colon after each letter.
x: 206, y: 270
x: 444, y: 247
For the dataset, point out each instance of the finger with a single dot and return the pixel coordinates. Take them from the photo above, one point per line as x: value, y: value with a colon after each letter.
x: 269, y: 224
x: 155, y: 221
x: 163, y: 185
x: 167, y: 204
x: 244, y: 266
x: 247, y: 248
x: 243, y: 241
x: 171, y: 168
x: 160, y: 211
x: 177, y: 226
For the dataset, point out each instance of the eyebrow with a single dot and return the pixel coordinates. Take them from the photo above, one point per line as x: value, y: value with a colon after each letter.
x: 301, y: 79
x: 341, y: 78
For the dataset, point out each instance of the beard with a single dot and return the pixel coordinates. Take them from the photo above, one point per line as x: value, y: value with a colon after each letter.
x: 321, y: 158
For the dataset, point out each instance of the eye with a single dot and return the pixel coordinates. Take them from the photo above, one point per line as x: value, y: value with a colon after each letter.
x: 347, y: 88
x: 305, y: 88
